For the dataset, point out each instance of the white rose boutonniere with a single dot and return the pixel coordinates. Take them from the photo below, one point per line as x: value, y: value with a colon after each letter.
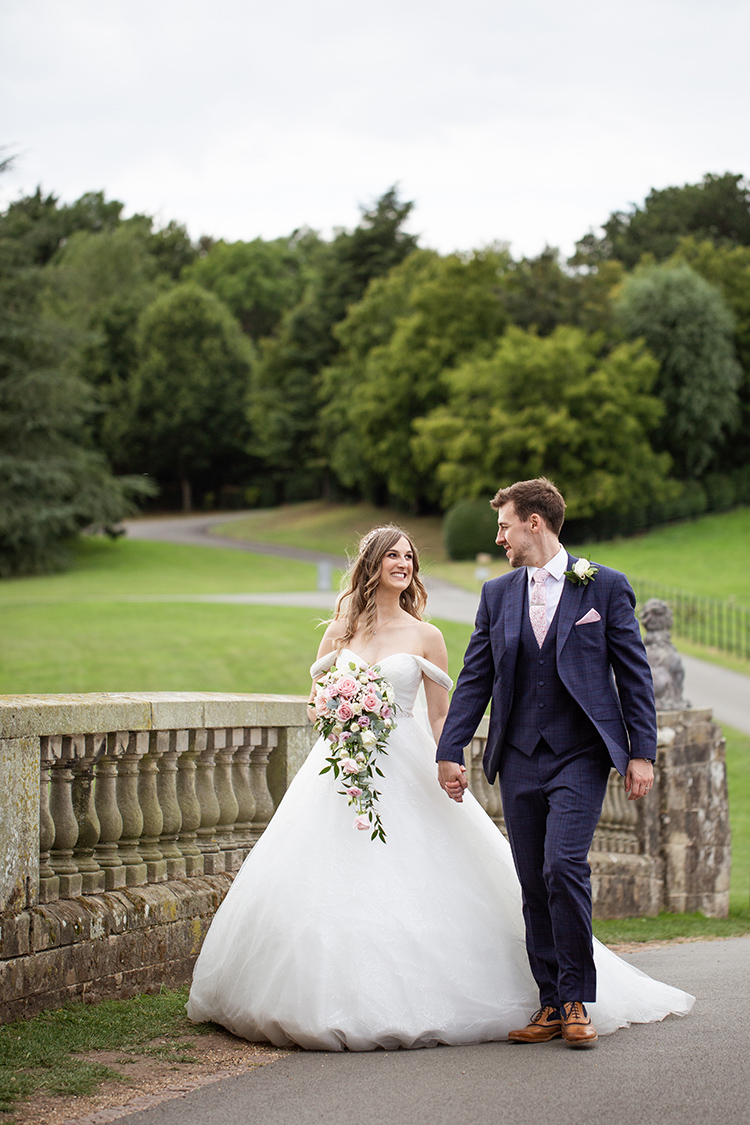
x: 581, y: 573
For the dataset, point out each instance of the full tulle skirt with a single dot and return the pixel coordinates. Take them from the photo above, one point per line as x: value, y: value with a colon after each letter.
x: 330, y: 940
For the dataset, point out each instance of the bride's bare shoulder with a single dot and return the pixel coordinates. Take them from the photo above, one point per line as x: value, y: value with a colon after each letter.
x: 433, y: 645
x: 334, y: 632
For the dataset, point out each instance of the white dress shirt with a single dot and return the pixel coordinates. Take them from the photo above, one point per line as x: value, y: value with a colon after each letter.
x: 556, y: 568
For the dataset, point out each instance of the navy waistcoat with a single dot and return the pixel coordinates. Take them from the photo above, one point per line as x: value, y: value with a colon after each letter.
x: 542, y: 706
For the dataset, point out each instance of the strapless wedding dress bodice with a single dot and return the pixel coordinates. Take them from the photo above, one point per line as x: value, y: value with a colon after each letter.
x: 331, y: 940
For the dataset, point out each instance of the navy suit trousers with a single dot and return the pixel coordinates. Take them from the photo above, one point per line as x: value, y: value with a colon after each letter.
x: 552, y: 803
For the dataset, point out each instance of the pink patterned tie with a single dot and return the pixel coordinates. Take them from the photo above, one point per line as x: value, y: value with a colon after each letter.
x: 538, y: 605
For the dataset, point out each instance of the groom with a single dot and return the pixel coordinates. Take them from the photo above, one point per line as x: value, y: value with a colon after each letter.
x: 549, y: 646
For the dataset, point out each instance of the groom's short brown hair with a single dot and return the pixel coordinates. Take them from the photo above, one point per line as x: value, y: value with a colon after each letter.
x: 529, y: 496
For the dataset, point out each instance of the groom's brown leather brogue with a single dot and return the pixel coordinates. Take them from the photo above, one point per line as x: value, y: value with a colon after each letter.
x: 544, y: 1024
x: 577, y: 1028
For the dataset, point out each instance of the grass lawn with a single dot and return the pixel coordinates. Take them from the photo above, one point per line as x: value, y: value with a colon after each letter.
x: 333, y: 528
x: 44, y: 1053
x: 163, y: 646
x: 112, y: 567
x: 738, y: 776
x: 705, y: 556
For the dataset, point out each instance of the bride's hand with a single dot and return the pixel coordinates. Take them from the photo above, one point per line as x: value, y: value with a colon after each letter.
x: 452, y: 778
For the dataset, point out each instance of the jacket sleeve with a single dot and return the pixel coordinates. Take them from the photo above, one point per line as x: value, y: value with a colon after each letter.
x: 473, y: 690
x: 632, y: 672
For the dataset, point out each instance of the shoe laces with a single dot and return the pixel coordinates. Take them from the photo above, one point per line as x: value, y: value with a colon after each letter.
x: 573, y: 1009
x: 545, y: 1013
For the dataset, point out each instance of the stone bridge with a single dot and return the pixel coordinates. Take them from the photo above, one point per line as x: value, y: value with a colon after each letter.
x: 125, y: 818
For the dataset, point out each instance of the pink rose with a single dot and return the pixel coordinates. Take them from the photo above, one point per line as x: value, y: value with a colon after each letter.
x: 321, y: 705
x: 347, y: 687
x: 353, y: 791
x: 361, y: 822
x: 344, y: 712
x: 386, y: 712
x: 371, y: 702
x: 363, y: 721
x: 349, y: 766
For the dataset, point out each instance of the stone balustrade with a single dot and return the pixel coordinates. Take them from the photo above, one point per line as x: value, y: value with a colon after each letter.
x: 125, y: 818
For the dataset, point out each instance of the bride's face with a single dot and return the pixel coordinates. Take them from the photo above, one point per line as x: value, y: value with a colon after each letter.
x: 397, y: 566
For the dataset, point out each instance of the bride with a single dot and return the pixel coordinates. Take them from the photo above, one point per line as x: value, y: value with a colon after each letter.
x: 331, y: 940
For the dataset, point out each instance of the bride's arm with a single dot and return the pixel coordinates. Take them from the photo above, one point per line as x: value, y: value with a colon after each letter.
x: 436, y: 696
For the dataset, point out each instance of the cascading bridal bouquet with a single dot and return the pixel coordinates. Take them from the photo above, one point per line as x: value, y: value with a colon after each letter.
x: 355, y: 713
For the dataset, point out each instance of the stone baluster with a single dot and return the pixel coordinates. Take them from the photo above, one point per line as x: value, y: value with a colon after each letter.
x: 87, y: 749
x: 190, y: 809
x: 213, y: 857
x: 49, y: 883
x: 618, y: 824
x: 171, y: 743
x: 66, y: 826
x: 225, y: 795
x: 267, y: 738
x: 242, y: 741
x: 127, y: 799
x: 487, y: 795
x: 153, y: 819
x: 108, y: 811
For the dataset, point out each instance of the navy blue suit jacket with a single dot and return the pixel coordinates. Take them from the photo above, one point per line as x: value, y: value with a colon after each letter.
x: 591, y: 658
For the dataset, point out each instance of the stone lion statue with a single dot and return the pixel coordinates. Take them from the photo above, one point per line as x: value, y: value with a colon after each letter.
x: 666, y: 665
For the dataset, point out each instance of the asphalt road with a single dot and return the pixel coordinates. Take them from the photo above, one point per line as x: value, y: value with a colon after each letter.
x: 678, y: 1072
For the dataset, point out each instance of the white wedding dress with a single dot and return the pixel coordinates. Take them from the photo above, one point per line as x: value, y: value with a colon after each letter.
x: 331, y: 940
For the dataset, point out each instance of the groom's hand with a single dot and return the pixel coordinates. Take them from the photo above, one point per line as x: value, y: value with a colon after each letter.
x: 639, y: 778
x: 452, y: 778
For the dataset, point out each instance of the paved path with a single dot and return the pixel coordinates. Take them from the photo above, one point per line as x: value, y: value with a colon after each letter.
x: 679, y: 1072
x: 706, y: 685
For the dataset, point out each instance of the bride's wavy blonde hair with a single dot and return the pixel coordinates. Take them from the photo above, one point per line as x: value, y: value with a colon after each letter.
x: 358, y: 599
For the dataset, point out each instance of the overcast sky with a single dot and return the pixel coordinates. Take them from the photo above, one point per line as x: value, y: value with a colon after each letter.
x: 527, y: 122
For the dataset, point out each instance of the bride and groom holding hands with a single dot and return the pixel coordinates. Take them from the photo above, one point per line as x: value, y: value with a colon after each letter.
x: 446, y: 935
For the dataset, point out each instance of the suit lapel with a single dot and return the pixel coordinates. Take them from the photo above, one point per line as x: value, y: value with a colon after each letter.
x: 513, y: 613
x: 568, y: 609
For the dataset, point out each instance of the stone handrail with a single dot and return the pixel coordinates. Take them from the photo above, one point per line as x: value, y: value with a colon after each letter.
x: 125, y: 818
x: 125, y: 790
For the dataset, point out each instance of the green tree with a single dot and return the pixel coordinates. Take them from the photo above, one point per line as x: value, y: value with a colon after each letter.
x: 286, y: 380
x: 728, y: 268
x: 540, y: 293
x: 718, y: 209
x: 258, y: 281
x: 552, y: 406
x: 688, y: 328
x: 397, y: 344
x: 36, y: 226
x: 100, y: 283
x: 186, y: 420
x: 52, y: 482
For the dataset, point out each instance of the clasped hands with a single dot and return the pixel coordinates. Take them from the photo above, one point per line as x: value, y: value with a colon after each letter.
x: 452, y: 778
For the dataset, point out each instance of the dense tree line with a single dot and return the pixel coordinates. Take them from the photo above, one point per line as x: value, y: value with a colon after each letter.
x: 364, y: 366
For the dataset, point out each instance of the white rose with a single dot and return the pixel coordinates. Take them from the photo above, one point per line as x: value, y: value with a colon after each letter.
x: 580, y: 567
x: 368, y: 738
x: 357, y: 708
x: 354, y: 727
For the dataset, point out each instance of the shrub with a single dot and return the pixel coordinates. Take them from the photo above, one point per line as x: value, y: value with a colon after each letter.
x: 469, y: 528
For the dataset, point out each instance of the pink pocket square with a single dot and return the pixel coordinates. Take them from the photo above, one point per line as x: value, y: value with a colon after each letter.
x: 589, y: 618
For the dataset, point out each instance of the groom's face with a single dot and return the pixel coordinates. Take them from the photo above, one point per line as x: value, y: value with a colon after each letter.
x: 515, y: 536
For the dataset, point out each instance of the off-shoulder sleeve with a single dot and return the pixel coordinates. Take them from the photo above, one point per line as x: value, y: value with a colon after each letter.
x: 322, y: 664
x: 434, y: 673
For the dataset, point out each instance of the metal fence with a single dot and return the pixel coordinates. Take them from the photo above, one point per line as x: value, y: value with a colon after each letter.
x: 714, y: 622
